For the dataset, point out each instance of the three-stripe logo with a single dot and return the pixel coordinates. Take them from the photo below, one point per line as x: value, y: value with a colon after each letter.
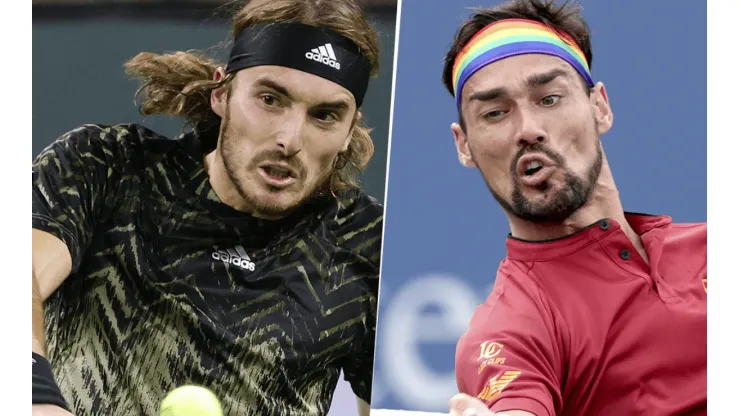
x: 325, y: 55
x: 236, y: 256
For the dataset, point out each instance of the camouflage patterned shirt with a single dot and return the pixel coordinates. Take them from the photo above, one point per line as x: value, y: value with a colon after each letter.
x: 169, y: 286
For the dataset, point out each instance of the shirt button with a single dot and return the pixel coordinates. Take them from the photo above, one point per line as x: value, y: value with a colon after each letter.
x: 625, y: 254
x: 604, y: 224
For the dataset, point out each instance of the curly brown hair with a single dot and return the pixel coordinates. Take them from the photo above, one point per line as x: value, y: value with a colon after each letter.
x: 180, y: 83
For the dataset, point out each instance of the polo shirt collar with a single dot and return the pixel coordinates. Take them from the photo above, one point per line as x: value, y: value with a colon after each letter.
x: 526, y: 250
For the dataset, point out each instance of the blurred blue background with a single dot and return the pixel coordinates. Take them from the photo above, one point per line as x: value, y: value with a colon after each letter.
x: 444, y: 233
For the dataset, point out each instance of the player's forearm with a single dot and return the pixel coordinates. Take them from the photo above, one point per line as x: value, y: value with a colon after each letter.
x: 363, y: 408
x: 52, y: 264
x: 37, y: 319
x: 47, y: 397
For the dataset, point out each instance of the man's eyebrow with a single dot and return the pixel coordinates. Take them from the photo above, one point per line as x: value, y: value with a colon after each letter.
x: 340, y: 105
x: 488, y: 95
x: 533, y: 81
x: 264, y: 82
x: 538, y: 80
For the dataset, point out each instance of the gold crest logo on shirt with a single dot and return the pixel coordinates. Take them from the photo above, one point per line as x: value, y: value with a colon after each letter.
x: 497, y: 384
x: 489, y: 352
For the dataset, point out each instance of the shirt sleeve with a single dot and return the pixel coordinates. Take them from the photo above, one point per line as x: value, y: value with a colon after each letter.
x: 358, y: 369
x: 74, y: 186
x: 510, y: 357
x: 360, y: 233
x: 360, y: 229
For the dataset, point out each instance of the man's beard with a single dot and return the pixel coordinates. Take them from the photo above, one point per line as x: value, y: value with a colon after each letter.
x: 229, y: 146
x: 564, y: 202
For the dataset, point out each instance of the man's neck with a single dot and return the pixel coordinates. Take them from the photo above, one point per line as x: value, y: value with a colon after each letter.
x: 603, y: 203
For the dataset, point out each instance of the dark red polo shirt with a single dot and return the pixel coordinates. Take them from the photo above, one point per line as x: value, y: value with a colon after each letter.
x: 583, y: 326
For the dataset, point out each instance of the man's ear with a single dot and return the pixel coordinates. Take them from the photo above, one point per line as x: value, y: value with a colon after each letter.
x: 603, y: 111
x: 463, y: 148
x: 219, y: 95
x: 355, y: 122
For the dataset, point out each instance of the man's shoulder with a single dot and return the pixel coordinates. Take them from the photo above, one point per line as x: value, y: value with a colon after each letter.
x: 674, y: 230
x: 129, y: 136
x: 125, y: 143
x: 690, y: 227
x: 688, y: 235
x: 356, y: 221
x: 515, y: 298
x: 355, y: 208
x: 516, y: 278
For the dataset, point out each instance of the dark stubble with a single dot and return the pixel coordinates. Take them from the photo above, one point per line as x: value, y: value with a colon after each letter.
x: 229, y: 147
x: 564, y: 202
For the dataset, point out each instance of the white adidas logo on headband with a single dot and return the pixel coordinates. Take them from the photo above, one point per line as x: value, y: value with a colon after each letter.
x: 325, y: 55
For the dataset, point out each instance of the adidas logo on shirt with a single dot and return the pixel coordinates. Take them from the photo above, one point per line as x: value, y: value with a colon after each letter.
x: 236, y: 256
x: 325, y: 55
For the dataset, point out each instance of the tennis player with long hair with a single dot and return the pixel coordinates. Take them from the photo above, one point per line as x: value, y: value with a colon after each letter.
x: 242, y: 255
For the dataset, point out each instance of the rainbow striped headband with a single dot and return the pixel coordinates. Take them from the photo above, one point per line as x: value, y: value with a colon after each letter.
x: 511, y: 37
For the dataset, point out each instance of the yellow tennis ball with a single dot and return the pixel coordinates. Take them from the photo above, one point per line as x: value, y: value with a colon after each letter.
x: 191, y: 401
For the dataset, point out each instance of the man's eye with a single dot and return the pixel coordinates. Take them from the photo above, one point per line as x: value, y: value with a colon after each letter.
x: 325, y: 116
x: 494, y: 114
x: 550, y: 100
x: 269, y: 99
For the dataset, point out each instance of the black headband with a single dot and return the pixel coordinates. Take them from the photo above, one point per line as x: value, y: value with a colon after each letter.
x: 316, y: 50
